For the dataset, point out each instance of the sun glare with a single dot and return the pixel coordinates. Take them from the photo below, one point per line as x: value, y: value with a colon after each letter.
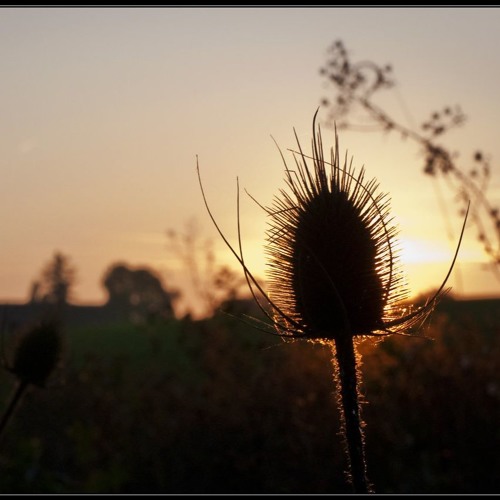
x: 421, y: 251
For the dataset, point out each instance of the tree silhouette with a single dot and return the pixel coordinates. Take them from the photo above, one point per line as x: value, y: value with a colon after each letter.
x: 352, y: 106
x: 137, y: 292
x: 56, y: 281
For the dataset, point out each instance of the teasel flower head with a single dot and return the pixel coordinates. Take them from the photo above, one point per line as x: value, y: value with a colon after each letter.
x: 333, y: 265
x: 38, y: 353
x: 333, y: 273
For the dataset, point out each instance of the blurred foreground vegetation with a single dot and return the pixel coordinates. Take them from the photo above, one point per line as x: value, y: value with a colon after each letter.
x: 214, y: 406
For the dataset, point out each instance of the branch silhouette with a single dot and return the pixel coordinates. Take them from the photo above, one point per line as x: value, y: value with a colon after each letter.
x: 352, y: 106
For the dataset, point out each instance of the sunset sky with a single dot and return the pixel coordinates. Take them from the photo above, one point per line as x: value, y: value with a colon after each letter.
x: 104, y: 110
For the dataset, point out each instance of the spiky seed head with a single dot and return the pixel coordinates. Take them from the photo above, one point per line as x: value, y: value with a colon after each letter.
x: 332, y: 258
x: 333, y: 268
x: 37, y: 353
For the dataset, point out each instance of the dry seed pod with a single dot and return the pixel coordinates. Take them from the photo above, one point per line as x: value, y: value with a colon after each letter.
x: 333, y: 272
x: 333, y: 263
x: 37, y: 353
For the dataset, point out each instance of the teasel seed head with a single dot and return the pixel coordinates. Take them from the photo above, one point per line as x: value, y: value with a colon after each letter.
x: 333, y: 264
x: 332, y: 261
x: 334, y: 267
x: 333, y: 272
x: 38, y: 353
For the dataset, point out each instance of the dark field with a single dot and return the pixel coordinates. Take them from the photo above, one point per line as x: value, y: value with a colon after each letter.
x: 217, y: 407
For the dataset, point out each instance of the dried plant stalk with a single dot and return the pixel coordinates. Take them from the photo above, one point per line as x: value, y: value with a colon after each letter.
x: 333, y: 274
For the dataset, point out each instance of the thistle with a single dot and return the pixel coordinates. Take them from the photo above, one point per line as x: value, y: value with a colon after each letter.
x: 333, y: 273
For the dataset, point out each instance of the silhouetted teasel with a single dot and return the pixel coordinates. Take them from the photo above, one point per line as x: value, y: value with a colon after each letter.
x: 37, y: 354
x: 333, y: 272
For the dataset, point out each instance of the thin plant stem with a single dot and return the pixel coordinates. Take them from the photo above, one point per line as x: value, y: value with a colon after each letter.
x: 16, y: 397
x: 345, y: 356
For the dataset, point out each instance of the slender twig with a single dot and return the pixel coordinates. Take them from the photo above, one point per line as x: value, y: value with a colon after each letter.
x: 356, y: 84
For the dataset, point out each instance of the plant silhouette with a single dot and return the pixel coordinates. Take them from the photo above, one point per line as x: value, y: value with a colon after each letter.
x: 38, y: 352
x: 215, y: 285
x: 333, y: 273
x: 355, y: 86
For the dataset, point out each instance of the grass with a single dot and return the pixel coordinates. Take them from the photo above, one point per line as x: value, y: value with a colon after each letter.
x: 134, y: 343
x: 215, y: 407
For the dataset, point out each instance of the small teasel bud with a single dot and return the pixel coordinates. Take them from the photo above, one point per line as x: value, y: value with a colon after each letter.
x: 38, y: 353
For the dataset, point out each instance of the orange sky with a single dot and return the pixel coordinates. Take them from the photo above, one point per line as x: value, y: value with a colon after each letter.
x: 105, y: 109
